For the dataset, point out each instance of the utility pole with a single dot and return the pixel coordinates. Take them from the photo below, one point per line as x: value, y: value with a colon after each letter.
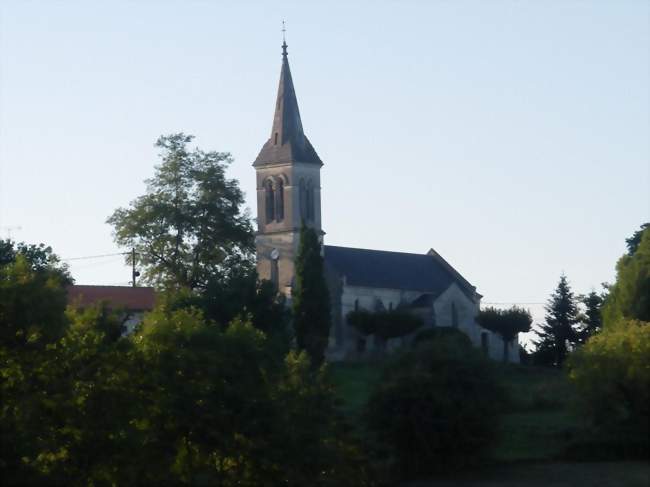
x: 134, y: 273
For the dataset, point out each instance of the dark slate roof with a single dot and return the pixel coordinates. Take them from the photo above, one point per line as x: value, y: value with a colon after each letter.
x: 292, y: 144
x: 394, y: 270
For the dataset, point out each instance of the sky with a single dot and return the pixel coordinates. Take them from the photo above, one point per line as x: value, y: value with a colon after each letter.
x: 510, y: 136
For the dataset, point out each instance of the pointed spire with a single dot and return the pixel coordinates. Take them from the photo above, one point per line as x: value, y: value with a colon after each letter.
x: 288, y: 142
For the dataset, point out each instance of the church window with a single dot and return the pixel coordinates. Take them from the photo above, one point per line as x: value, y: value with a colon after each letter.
x: 279, y: 201
x: 275, y: 140
x: 454, y: 315
x: 269, y: 201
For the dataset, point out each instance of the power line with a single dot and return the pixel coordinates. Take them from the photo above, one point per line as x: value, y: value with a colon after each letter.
x: 86, y: 257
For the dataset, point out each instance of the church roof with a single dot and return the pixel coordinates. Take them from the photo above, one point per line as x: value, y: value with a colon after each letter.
x: 288, y: 142
x: 428, y: 273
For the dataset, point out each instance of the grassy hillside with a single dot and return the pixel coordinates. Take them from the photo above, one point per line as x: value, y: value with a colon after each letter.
x: 537, y: 424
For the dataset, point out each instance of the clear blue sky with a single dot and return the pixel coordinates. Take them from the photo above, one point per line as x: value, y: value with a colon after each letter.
x: 512, y: 137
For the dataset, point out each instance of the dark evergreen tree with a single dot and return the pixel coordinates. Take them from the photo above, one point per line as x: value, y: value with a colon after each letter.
x: 311, y: 303
x: 559, y: 334
x: 592, y: 320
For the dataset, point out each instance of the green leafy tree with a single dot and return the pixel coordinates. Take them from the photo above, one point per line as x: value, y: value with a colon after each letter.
x: 311, y: 303
x: 32, y: 304
x: 612, y: 375
x: 559, y: 334
x: 635, y: 240
x: 433, y: 405
x: 629, y: 297
x: 508, y: 323
x: 189, y: 227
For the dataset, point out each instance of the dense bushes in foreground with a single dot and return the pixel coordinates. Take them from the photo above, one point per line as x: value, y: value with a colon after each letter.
x: 436, y: 408
x: 181, y: 401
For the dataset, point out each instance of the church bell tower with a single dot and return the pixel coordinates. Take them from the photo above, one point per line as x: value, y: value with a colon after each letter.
x: 288, y: 188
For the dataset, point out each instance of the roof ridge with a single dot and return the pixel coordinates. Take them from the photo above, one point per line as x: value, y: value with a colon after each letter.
x: 378, y: 250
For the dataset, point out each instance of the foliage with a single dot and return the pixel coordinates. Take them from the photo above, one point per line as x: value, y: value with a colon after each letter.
x: 311, y: 303
x: 317, y: 446
x: 39, y: 258
x: 385, y: 324
x: 612, y: 374
x: 446, y: 334
x: 506, y: 322
x: 629, y: 297
x: 434, y: 406
x: 189, y: 226
x: 635, y: 240
x: 592, y: 318
x: 559, y: 334
x: 32, y: 302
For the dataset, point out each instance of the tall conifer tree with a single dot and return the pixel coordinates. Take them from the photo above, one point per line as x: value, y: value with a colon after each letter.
x: 311, y: 303
x: 559, y: 334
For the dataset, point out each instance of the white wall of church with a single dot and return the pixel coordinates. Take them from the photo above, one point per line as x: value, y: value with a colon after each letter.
x: 466, y: 311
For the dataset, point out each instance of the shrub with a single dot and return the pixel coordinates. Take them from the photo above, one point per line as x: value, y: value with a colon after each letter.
x: 436, y: 409
x: 612, y: 374
x: 447, y: 334
x: 384, y: 324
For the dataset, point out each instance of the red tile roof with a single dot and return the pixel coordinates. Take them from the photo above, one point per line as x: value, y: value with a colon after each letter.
x: 131, y: 298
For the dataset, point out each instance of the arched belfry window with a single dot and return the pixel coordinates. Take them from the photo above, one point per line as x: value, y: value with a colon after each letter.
x: 269, y: 201
x: 310, y: 201
x: 279, y: 200
x: 303, y: 199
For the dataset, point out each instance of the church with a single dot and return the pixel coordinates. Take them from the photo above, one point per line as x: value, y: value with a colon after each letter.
x: 289, y: 193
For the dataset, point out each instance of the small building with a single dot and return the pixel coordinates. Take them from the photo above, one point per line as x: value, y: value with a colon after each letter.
x: 133, y: 301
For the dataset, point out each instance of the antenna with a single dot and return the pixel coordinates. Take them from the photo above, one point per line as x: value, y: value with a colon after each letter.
x: 10, y: 229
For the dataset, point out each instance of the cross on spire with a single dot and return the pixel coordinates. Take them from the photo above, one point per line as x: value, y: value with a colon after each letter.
x: 284, y: 39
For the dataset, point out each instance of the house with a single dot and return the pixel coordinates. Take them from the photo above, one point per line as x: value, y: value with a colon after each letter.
x: 133, y: 301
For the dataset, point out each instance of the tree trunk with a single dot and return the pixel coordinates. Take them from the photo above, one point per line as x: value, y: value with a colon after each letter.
x: 505, y: 350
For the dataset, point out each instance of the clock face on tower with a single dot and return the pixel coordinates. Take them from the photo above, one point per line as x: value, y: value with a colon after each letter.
x: 275, y: 254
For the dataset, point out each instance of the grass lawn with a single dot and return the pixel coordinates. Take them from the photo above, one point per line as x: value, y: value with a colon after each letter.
x: 537, y: 425
x: 354, y: 383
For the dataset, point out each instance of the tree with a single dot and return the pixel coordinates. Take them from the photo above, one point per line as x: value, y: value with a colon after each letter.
x: 592, y: 318
x: 189, y: 226
x: 629, y: 297
x: 635, y: 240
x: 506, y: 322
x: 311, y: 303
x: 559, y: 334
x: 32, y: 303
x: 436, y: 407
